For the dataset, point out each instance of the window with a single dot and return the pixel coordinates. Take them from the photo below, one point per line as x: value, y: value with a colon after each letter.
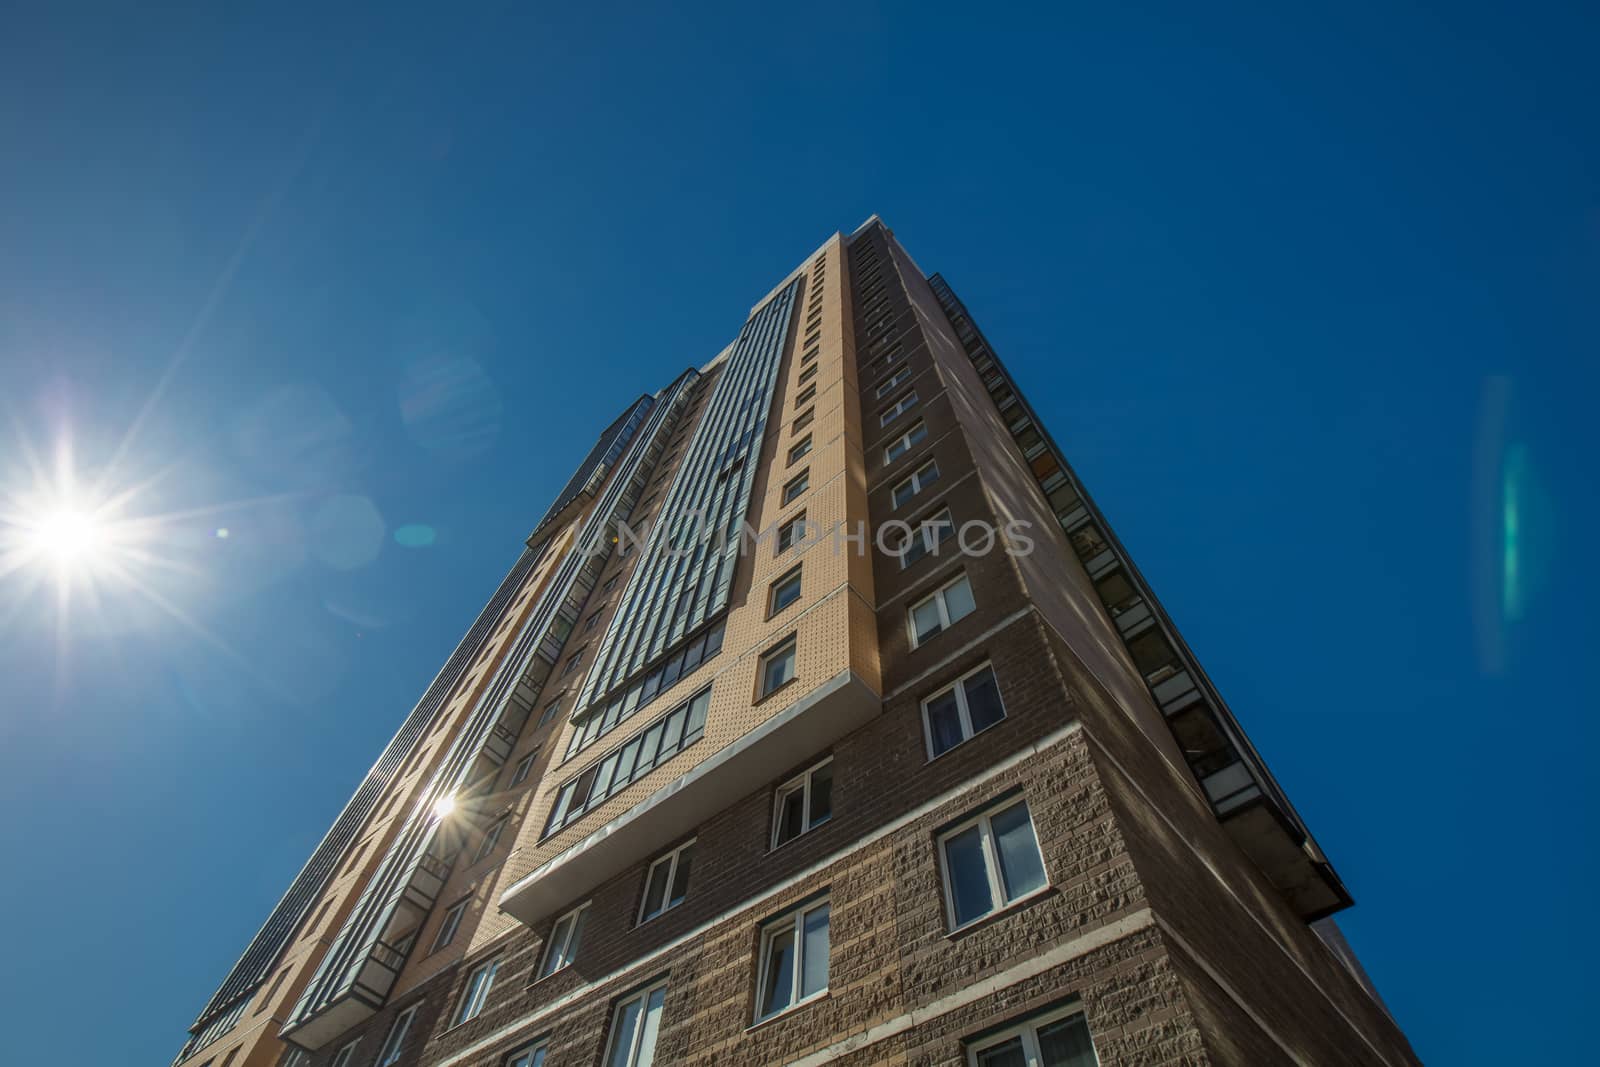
x: 791, y: 532
x: 808, y: 374
x: 563, y: 944
x: 785, y: 591
x: 520, y: 775
x: 800, y: 449
x: 989, y: 860
x: 594, y: 620
x: 889, y: 383
x: 794, y: 960
x: 946, y: 605
x: 550, y: 711
x: 906, y: 402
x: 573, y: 661
x: 476, y: 991
x: 491, y: 838
x: 667, y: 882
x: 529, y: 1057
x: 929, y: 534
x: 345, y: 1056
x: 797, y: 485
x: 634, y: 1026
x: 803, y: 420
x: 450, y: 924
x: 1057, y: 1039
x: 611, y: 583
x: 959, y: 711
x: 905, y: 442
x: 777, y: 667
x: 806, y: 396
x: 920, y: 479
x: 803, y: 803
x: 394, y: 1044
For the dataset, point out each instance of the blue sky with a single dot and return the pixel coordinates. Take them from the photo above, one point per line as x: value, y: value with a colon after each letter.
x: 1308, y: 298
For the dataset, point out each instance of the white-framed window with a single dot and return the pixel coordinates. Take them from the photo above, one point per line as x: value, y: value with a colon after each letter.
x: 913, y: 436
x: 785, y: 591
x: 967, y: 706
x: 562, y: 946
x: 948, y: 604
x: 989, y: 860
x: 524, y: 766
x: 892, y: 381
x: 794, y: 960
x: 450, y: 924
x: 635, y: 1024
x: 777, y: 667
x: 345, y: 1055
x: 1058, y: 1038
x: 803, y: 803
x: 395, y: 1043
x: 907, y: 401
x: 476, y: 991
x: 667, y: 882
x: 491, y: 838
x: 926, y: 536
x: 531, y: 1056
x: 796, y: 485
x: 919, y: 480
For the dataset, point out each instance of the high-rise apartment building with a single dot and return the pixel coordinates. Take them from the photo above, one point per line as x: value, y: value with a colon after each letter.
x: 822, y: 719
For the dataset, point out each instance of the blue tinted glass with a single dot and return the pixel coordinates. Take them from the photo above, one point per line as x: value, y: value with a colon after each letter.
x: 969, y: 879
x: 1020, y: 867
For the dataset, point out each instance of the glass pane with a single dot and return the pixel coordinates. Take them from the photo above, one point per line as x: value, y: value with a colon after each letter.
x: 903, y: 492
x: 680, y: 880
x: 652, y: 1027
x: 983, y: 700
x: 697, y: 716
x: 627, y: 1025
x: 655, y: 891
x: 552, y: 955
x: 778, y: 990
x: 569, y: 951
x: 649, y: 745
x: 925, y: 620
x: 1066, y: 1044
x: 814, y: 952
x: 944, y: 723
x: 822, y: 795
x: 1020, y: 866
x: 1009, y: 1054
x: 791, y: 814
x: 958, y: 602
x: 673, y: 732
x: 969, y: 878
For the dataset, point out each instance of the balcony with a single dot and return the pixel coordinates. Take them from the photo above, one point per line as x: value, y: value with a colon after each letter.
x: 814, y: 721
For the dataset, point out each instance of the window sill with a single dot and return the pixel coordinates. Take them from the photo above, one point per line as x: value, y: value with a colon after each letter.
x: 808, y: 831
x: 1025, y: 901
x: 769, y: 694
x: 804, y: 1002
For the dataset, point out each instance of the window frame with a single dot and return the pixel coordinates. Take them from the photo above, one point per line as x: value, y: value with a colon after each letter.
x: 918, y: 528
x: 789, y: 646
x: 570, y: 942
x: 799, y: 450
x: 524, y: 767
x: 802, y: 782
x: 473, y: 996
x: 937, y: 596
x: 963, y: 713
x: 491, y: 840
x: 783, y: 581
x: 795, y: 524
x: 905, y: 438
x: 982, y: 818
x: 455, y: 911
x: 1027, y: 1028
x: 918, y: 480
x: 889, y: 384
x: 792, y: 925
x: 907, y: 401
x: 641, y: 995
x: 524, y: 1056
x: 346, y: 1053
x: 667, y: 903
x: 394, y: 1041
x: 795, y: 488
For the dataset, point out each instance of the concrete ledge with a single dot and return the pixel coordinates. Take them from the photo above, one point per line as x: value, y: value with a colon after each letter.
x: 817, y: 719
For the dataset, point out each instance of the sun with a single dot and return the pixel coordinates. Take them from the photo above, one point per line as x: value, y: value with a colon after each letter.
x: 69, y: 535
